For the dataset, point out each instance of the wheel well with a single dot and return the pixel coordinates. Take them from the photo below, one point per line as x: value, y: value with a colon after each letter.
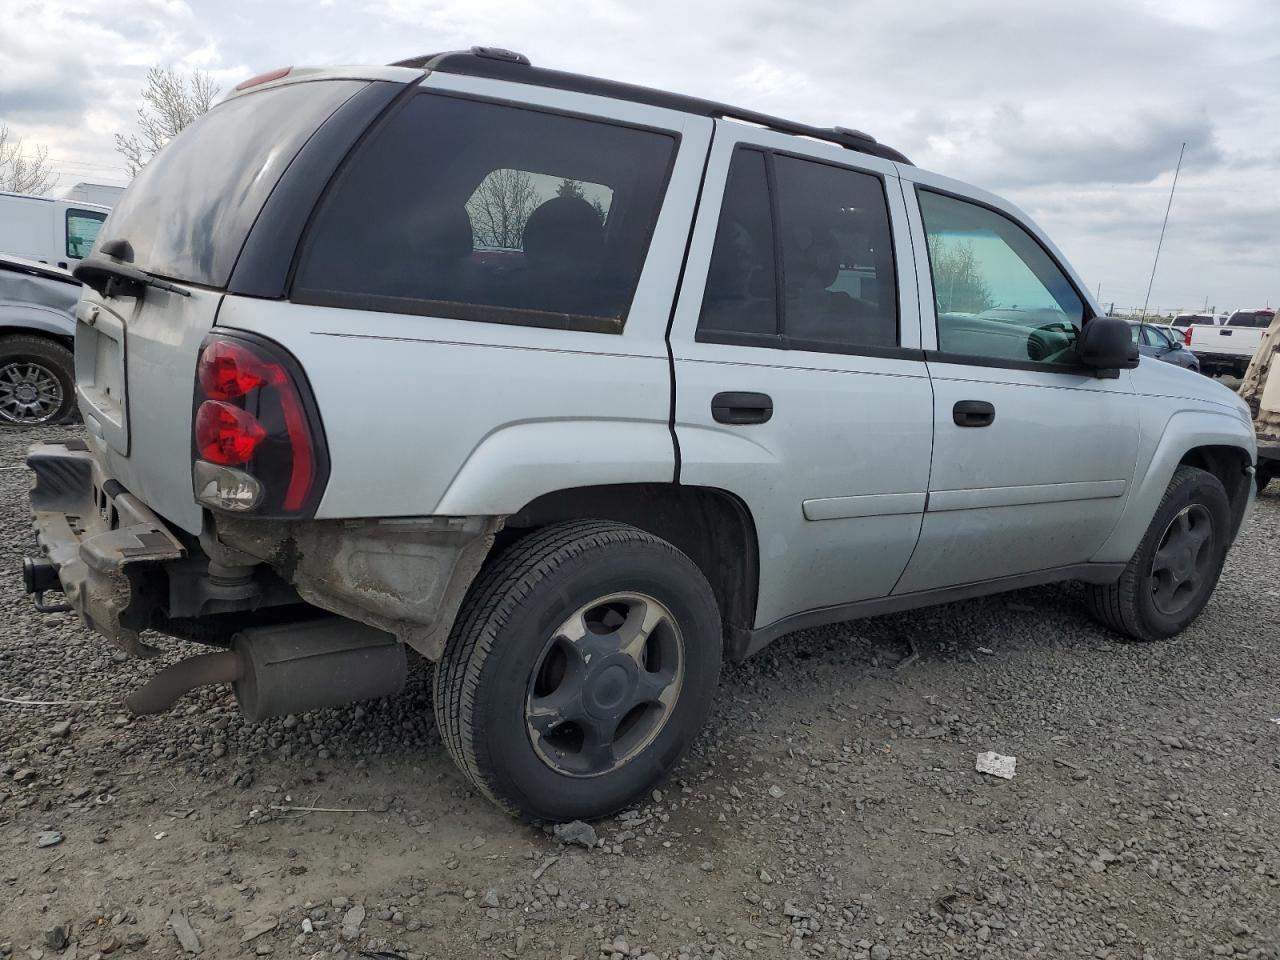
x: 712, y: 527
x: 8, y: 331
x: 1229, y: 465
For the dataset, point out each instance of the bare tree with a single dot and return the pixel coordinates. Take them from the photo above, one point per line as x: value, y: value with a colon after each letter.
x: 23, y: 173
x: 171, y: 101
x: 500, y: 208
x: 958, y: 284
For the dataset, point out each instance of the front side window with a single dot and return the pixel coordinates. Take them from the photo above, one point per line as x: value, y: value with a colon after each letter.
x: 998, y: 294
x: 803, y: 258
x: 82, y: 230
x: 482, y: 211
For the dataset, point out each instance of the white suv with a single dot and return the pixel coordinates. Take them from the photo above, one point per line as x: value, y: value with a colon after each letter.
x: 579, y: 388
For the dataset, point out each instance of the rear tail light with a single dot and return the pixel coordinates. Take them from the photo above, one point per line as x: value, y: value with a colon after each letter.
x: 257, y: 439
x: 1186, y: 336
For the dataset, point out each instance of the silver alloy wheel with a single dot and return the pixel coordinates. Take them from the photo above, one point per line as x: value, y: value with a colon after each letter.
x: 605, y: 684
x: 30, y: 392
x: 1183, y: 561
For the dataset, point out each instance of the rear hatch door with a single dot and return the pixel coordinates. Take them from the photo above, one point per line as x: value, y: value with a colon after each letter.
x: 185, y: 219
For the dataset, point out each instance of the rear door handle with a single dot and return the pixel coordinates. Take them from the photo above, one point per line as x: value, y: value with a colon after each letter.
x: 973, y: 413
x: 735, y: 407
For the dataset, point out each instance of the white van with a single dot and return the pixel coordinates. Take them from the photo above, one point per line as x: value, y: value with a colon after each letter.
x: 57, y: 232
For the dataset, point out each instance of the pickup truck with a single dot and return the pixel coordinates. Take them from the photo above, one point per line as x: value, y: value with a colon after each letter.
x: 1230, y: 347
x: 579, y: 389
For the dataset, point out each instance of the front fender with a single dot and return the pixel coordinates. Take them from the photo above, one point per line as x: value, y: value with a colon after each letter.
x: 20, y: 317
x: 522, y: 461
x: 1183, y: 432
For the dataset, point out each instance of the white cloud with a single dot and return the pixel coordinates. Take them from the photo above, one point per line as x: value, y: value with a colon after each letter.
x: 1075, y: 109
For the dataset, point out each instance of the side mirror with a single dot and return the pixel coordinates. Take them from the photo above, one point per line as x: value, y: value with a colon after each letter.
x: 1106, y: 346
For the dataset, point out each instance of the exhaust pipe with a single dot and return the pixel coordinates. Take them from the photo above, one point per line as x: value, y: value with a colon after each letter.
x: 164, y: 689
x: 288, y: 668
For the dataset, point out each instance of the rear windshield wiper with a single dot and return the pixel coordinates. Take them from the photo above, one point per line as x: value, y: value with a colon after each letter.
x: 109, y: 272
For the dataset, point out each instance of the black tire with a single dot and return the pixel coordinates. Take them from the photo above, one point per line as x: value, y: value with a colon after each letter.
x: 1130, y: 605
x: 486, y: 682
x: 22, y: 352
x: 1264, y: 474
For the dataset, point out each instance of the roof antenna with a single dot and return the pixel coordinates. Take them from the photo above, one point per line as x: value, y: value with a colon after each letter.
x: 1162, y: 229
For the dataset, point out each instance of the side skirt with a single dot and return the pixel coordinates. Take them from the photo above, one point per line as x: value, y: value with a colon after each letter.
x: 743, y: 643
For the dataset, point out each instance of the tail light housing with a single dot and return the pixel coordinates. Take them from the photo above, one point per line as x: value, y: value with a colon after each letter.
x: 1186, y: 335
x: 257, y: 441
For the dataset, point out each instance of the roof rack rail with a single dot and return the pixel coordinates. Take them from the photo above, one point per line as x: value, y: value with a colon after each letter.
x: 495, y: 63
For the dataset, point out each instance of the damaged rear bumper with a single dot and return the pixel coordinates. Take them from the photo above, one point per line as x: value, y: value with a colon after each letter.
x: 102, y: 541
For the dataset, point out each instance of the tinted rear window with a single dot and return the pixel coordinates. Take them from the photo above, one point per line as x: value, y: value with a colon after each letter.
x: 482, y: 211
x: 1251, y: 318
x: 188, y: 212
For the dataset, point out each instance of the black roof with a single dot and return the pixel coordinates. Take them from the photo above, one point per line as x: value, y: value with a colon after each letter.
x: 498, y: 64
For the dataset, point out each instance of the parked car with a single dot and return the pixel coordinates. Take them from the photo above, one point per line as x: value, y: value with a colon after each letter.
x: 1230, y: 347
x: 579, y: 388
x: 37, y: 324
x: 1157, y: 341
x: 55, y: 232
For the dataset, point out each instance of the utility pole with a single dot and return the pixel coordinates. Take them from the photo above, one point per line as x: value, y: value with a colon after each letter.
x: 1176, y: 171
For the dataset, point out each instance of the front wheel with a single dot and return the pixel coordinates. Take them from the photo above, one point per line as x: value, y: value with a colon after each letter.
x: 580, y: 668
x: 1172, y: 574
x: 37, y: 381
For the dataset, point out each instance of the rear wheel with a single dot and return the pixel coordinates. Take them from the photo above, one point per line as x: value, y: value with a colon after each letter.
x: 37, y: 381
x: 580, y: 668
x: 1170, y: 578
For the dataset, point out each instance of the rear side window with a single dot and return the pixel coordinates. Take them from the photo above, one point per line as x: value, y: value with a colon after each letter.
x: 1251, y: 318
x: 189, y: 210
x: 803, y: 258
x: 482, y: 211
x: 82, y: 230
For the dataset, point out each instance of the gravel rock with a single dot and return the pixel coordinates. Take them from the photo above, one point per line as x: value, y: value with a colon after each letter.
x: 583, y: 834
x: 1145, y: 803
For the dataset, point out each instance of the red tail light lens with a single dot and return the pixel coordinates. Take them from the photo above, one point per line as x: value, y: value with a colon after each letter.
x: 228, y: 370
x: 227, y: 435
x: 262, y: 78
x: 1186, y: 336
x: 255, y: 413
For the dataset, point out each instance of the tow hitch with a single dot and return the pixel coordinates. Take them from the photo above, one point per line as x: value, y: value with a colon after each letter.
x: 38, y: 576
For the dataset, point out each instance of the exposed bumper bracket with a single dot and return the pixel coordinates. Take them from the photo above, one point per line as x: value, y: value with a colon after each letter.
x: 96, y: 536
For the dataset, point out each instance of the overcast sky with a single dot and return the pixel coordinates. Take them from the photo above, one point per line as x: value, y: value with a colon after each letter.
x: 1074, y: 110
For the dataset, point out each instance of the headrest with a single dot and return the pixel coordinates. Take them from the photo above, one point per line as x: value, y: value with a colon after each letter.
x: 811, y: 254
x: 563, y: 235
x: 443, y: 233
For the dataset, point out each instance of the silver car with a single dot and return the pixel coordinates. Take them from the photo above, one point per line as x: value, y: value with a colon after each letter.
x: 578, y: 389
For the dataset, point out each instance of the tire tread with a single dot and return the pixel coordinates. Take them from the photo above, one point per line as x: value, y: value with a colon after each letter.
x: 500, y: 588
x: 1116, y: 604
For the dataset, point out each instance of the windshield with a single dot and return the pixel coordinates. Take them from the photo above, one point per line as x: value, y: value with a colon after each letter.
x: 190, y: 209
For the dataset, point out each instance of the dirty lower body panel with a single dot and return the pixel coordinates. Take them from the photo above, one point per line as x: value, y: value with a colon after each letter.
x: 406, y: 576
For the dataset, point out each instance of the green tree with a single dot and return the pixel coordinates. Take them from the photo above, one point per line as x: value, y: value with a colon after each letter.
x: 569, y: 188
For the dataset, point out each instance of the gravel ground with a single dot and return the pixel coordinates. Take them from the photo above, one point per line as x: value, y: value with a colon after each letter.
x: 831, y: 810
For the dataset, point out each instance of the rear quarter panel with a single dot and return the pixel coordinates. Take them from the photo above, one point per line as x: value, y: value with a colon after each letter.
x: 430, y: 415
